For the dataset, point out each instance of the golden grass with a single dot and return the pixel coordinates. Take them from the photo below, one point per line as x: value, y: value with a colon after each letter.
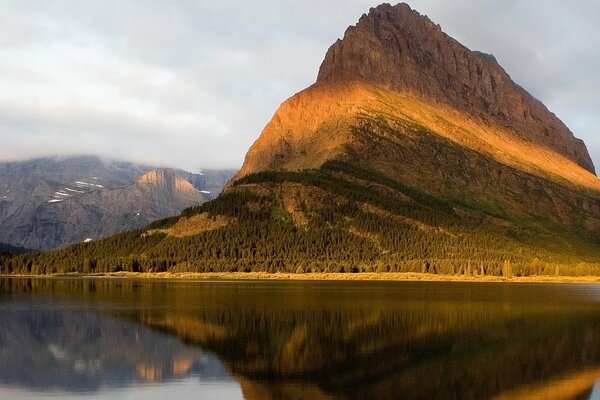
x: 371, y: 209
x: 324, y: 276
x: 563, y: 388
x: 293, y: 196
x: 194, y: 225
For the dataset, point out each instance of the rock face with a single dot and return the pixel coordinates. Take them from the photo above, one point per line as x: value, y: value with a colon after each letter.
x: 399, y: 96
x: 397, y: 47
x: 165, y: 179
x: 46, y: 203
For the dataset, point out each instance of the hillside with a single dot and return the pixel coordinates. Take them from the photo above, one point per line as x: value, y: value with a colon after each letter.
x: 51, y: 202
x: 409, y: 153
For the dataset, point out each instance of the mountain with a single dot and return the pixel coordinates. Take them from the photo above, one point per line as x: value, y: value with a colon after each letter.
x: 401, y: 50
x: 50, y: 202
x: 409, y: 153
x: 399, y: 96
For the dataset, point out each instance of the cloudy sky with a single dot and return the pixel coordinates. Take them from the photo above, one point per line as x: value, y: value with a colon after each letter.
x: 191, y: 83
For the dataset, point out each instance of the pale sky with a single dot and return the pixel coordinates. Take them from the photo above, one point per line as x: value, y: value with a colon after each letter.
x: 191, y: 83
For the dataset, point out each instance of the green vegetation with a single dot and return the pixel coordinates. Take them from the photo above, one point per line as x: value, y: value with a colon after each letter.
x: 8, y: 250
x: 363, y: 222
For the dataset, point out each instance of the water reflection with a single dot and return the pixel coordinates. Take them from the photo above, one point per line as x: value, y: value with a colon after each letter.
x: 294, y: 340
x: 65, y: 348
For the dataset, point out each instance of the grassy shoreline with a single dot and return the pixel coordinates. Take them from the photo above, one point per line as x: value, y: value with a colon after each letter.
x: 280, y: 276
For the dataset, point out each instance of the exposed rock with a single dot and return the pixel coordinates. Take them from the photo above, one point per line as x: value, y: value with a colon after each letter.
x: 166, y: 179
x: 397, y: 47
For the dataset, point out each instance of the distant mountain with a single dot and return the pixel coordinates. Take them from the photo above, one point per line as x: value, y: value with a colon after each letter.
x: 49, y: 202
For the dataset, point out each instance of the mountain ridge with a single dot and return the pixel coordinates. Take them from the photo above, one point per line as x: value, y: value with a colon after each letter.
x: 397, y: 47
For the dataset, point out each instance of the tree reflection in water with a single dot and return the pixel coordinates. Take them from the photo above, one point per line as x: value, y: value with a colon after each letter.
x: 322, y: 340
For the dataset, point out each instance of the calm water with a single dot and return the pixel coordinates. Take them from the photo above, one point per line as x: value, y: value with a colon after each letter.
x: 122, y: 339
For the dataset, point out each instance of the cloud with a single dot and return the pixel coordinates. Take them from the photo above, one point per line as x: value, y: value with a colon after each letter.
x: 192, y: 83
x: 64, y: 130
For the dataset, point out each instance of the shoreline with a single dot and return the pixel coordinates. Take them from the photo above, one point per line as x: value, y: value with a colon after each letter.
x: 283, y: 276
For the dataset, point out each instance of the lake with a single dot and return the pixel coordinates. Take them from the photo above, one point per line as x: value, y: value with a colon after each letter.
x: 128, y: 339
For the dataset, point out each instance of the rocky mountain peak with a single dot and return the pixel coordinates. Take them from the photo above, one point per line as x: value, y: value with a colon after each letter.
x: 397, y: 47
x: 166, y: 178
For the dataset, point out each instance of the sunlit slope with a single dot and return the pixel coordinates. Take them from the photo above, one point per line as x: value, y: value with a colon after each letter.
x: 441, y: 150
x: 317, y: 123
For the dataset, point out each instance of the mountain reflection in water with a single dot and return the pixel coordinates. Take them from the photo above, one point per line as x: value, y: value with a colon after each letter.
x: 303, y: 340
x: 62, y: 348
